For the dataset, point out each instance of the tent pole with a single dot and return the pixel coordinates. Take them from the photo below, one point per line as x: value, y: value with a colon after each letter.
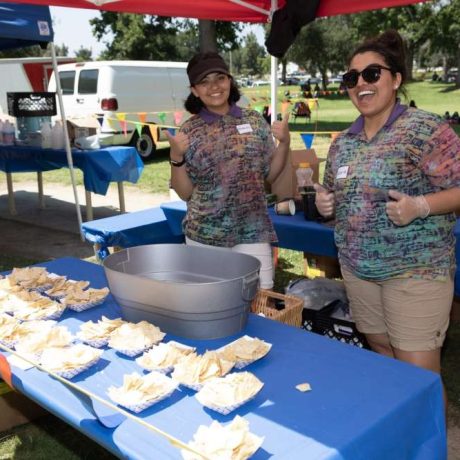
x: 273, y: 73
x: 273, y: 87
x: 66, y: 140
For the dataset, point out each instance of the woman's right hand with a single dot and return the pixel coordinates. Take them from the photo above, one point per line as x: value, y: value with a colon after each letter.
x: 179, y: 144
x: 325, y: 201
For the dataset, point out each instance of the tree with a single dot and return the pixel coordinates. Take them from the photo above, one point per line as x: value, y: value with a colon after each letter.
x: 253, y: 55
x: 411, y: 21
x: 84, y: 54
x: 34, y: 51
x: 444, y: 30
x: 323, y: 46
x: 134, y: 36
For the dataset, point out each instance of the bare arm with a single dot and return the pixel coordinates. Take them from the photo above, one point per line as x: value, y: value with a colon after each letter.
x: 280, y: 130
x: 180, y: 181
x: 444, y: 201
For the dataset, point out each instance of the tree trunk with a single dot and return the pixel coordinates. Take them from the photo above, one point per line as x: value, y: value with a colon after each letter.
x: 410, y: 60
x: 457, y: 79
x: 207, y: 31
x: 445, y: 69
x: 283, y: 69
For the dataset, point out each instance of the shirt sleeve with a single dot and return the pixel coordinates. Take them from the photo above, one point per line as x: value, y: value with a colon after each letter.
x: 440, y: 159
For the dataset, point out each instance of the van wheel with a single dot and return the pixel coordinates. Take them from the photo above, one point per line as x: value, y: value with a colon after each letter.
x: 144, y: 145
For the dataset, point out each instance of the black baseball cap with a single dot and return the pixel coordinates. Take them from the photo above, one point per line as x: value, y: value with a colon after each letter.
x: 203, y: 64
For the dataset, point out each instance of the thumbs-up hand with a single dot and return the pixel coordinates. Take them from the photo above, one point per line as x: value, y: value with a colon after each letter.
x: 403, y: 209
x: 179, y: 144
x: 325, y: 201
x: 280, y: 129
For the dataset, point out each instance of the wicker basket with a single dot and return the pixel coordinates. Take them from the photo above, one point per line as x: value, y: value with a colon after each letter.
x: 265, y: 303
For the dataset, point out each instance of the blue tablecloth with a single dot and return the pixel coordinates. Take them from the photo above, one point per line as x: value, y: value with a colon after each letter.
x: 100, y: 167
x: 362, y: 405
x: 294, y: 232
x: 129, y: 229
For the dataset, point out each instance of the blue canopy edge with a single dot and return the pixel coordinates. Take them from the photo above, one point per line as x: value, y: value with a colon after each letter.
x: 24, y: 25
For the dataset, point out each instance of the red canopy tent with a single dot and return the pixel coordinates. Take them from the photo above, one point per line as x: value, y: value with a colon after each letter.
x: 224, y: 10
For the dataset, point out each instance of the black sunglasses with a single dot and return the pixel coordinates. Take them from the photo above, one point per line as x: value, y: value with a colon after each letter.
x: 370, y: 74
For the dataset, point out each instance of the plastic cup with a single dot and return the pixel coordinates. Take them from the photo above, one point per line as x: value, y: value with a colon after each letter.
x: 285, y: 207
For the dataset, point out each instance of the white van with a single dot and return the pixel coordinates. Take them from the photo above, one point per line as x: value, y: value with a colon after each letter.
x: 130, y: 90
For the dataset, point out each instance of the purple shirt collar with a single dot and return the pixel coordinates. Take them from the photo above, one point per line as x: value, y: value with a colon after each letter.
x: 358, y: 124
x: 209, y: 117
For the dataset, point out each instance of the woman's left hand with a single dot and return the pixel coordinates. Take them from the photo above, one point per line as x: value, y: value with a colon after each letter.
x: 280, y: 129
x: 403, y: 209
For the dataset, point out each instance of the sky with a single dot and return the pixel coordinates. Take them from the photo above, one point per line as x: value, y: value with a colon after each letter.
x: 71, y: 28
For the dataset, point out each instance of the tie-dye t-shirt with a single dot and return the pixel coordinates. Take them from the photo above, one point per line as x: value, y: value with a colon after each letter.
x: 227, y: 162
x: 416, y: 153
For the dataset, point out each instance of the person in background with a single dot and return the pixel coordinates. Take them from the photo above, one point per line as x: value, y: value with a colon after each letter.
x: 220, y: 159
x: 392, y: 181
x: 412, y: 104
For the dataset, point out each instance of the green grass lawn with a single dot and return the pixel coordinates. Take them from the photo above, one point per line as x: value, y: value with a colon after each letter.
x: 52, y: 439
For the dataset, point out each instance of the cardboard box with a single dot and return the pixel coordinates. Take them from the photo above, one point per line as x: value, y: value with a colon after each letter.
x: 16, y: 409
x: 285, y: 186
x: 81, y: 127
x: 323, y: 266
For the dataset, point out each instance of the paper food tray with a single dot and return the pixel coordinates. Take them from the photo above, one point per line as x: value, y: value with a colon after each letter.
x: 54, y: 316
x: 9, y: 344
x: 145, y: 405
x: 132, y: 353
x: 69, y: 374
x: 140, y: 407
x: 165, y: 369
x: 99, y: 343
x: 79, y: 307
x: 243, y: 363
x: 225, y: 410
x: 193, y: 386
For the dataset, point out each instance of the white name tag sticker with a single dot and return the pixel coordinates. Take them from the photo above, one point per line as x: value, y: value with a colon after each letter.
x: 342, y: 172
x: 243, y: 129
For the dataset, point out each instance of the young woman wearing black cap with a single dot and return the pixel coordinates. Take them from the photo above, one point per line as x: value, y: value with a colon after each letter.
x: 220, y: 160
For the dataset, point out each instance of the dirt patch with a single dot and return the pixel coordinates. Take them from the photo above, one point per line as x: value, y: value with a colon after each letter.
x: 53, y: 231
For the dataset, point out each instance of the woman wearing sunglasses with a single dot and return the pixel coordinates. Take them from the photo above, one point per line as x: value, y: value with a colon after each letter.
x: 392, y: 181
x: 220, y: 160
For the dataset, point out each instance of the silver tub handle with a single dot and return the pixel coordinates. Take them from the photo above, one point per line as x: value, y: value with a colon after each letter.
x: 250, y: 286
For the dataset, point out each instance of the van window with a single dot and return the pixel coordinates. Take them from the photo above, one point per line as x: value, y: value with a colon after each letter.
x: 87, y: 84
x: 67, y: 80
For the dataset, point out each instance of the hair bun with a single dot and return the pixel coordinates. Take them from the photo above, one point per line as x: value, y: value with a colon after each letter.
x: 392, y: 39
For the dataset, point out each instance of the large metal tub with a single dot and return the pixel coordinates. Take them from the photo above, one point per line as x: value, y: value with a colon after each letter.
x: 188, y: 291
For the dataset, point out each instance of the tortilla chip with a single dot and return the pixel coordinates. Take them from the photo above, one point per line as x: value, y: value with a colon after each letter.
x: 218, y: 442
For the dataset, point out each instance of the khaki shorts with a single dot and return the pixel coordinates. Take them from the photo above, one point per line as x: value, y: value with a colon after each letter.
x: 413, y: 313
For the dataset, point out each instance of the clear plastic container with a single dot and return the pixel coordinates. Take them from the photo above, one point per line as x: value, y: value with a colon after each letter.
x: 8, y: 133
x: 46, y: 141
x: 57, y: 136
